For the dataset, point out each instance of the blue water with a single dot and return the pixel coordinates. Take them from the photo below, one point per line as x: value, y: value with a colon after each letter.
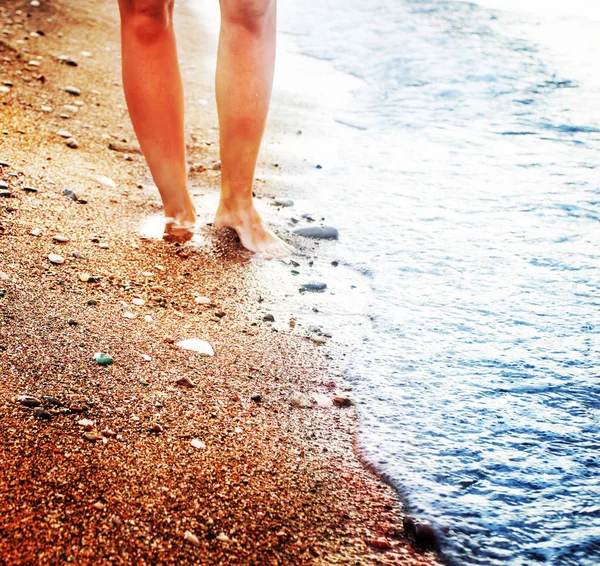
x: 467, y: 185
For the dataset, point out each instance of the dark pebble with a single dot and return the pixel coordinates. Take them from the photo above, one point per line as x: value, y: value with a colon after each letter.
x: 269, y: 318
x: 318, y: 167
x: 426, y: 537
x: 4, y: 193
x: 335, y: 263
x: 283, y: 202
x: 40, y: 413
x: 313, y: 287
x: 29, y: 401
x: 318, y: 232
x: 52, y: 400
x: 72, y: 322
x: 30, y: 190
x: 256, y: 397
x: 72, y: 90
x: 70, y: 194
x: 3, y: 185
x: 92, y: 302
x: 4, y: 163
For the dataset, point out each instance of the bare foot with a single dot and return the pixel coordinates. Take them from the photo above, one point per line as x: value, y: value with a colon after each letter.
x: 253, y: 234
x: 181, y: 227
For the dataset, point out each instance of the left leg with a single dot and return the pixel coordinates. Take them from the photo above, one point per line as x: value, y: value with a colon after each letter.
x: 244, y: 80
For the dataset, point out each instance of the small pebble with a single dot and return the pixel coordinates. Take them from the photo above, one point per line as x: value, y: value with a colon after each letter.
x: 92, y: 302
x: 64, y: 134
x: 256, y: 398
x: 300, y: 401
x: 202, y: 300
x: 341, y: 401
x: 106, y: 182
x: 72, y: 143
x: 138, y: 301
x: 73, y: 90
x: 283, y: 202
x: 103, y: 359
x: 28, y: 189
x: 103, y: 246
x: 191, y: 538
x: 185, y: 382
x: 56, y: 259
x: 86, y: 422
x: 28, y: 401
x: 52, y: 400
x: 155, y: 427
x: 223, y: 537
x: 318, y: 232
x: 35, y: 232
x: 70, y: 194
x: 41, y: 413
x: 197, y: 345
x: 197, y: 443
x: 59, y: 238
x: 313, y: 287
x: 269, y: 318
x: 92, y: 435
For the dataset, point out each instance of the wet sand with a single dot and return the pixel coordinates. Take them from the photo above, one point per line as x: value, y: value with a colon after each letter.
x: 123, y: 464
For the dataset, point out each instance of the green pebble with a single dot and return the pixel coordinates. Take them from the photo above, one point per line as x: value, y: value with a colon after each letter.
x: 104, y: 360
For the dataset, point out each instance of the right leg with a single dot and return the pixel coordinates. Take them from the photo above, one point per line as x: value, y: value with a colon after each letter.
x: 154, y: 93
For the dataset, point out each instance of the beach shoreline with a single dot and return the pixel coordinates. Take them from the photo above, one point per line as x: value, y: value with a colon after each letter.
x: 163, y: 456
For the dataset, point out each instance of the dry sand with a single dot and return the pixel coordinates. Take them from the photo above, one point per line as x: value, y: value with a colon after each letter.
x: 263, y: 482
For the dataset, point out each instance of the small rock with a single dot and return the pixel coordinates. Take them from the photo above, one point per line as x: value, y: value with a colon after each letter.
x: 185, y: 382
x: 380, y: 543
x: 29, y: 401
x: 103, y: 246
x: 106, y: 182
x: 103, y: 359
x: 72, y: 143
x: 60, y: 239
x: 341, y: 401
x: 3, y: 276
x: 92, y: 435
x: 269, y: 318
x: 64, y: 134
x: 313, y: 287
x: 191, y: 538
x: 4, y: 193
x: 72, y: 322
x: 73, y: 90
x: 52, y: 400
x: 426, y: 537
x: 257, y: 398
x: 56, y: 259
x: 35, y: 232
x: 139, y: 302
x: 128, y: 315
x: 300, y: 401
x: 318, y: 232
x: 202, y: 300
x: 197, y: 345
x: 99, y: 505
x: 197, y: 443
x: 86, y: 422
x: 146, y: 357
x: 28, y: 189
x: 319, y: 340
x: 283, y: 202
x: 70, y: 194
x: 70, y: 108
x: 109, y: 433
x: 92, y: 302
x: 42, y: 414
x: 223, y: 537
x: 155, y: 427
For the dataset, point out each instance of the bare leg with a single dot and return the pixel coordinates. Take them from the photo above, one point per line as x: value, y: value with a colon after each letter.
x: 244, y: 81
x: 154, y: 94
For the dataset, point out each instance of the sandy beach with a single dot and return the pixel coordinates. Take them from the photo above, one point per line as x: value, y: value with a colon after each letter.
x: 163, y: 456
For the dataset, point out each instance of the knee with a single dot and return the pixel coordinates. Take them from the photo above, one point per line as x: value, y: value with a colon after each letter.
x: 253, y: 15
x: 148, y: 19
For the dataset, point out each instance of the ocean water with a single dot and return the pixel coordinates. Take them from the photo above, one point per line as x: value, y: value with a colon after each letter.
x: 464, y: 176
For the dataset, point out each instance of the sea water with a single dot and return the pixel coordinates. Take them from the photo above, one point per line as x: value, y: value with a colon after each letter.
x: 466, y: 188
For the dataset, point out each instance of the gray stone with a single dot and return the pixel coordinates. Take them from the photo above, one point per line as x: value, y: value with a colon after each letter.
x: 313, y: 287
x: 73, y: 90
x: 41, y: 413
x: 283, y: 202
x: 29, y: 401
x: 72, y: 143
x: 318, y: 232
